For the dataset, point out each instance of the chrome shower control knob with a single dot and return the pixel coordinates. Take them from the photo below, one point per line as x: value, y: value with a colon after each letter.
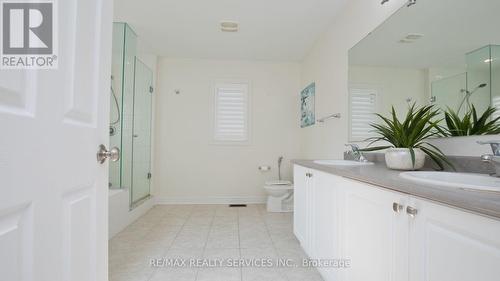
x: 102, y: 154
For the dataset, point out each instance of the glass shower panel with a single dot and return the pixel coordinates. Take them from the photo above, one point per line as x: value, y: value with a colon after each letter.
x: 141, y: 133
x: 121, y: 104
x: 116, y: 101
x: 478, y: 72
x: 130, y: 50
x: 448, y: 92
x: 495, y: 79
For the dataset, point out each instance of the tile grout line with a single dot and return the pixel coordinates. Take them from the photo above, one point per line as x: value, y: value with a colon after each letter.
x: 275, y: 249
x: 239, y: 241
x: 170, y: 247
x: 205, y: 246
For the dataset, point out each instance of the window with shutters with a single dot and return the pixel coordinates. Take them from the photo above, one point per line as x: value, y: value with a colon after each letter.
x: 231, y: 113
x: 362, y: 109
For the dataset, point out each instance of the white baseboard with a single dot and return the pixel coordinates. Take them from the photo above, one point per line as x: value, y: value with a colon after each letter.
x: 210, y: 200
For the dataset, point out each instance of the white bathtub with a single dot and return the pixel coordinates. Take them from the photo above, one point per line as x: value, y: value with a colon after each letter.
x: 120, y: 215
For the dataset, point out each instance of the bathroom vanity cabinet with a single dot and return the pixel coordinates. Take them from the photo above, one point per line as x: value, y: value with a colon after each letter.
x: 388, y: 235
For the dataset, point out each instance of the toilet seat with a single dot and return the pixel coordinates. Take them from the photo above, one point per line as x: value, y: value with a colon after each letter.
x: 278, y: 182
x: 279, y: 187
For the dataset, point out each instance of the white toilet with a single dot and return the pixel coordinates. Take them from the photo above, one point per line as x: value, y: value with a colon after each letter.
x: 280, y: 196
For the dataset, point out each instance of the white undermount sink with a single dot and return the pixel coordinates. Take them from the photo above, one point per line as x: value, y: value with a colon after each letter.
x: 466, y: 181
x: 341, y: 163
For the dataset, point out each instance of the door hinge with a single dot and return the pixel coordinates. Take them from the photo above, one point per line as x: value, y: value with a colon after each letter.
x: 151, y: 89
x: 149, y: 176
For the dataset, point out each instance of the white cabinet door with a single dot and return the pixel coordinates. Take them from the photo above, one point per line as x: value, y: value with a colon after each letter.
x: 299, y: 203
x: 374, y: 236
x: 447, y: 244
x: 309, y: 213
x: 325, y: 226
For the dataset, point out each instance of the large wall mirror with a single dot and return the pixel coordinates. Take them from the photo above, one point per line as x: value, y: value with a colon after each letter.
x: 441, y: 52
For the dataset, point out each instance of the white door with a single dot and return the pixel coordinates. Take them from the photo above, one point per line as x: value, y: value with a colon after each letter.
x: 374, y: 235
x: 299, y: 203
x: 452, y: 245
x: 53, y: 193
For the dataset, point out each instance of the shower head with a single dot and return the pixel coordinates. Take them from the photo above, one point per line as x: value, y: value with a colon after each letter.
x: 477, y: 88
x: 468, y: 94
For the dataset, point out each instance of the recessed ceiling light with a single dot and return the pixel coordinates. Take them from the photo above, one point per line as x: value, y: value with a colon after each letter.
x: 228, y: 26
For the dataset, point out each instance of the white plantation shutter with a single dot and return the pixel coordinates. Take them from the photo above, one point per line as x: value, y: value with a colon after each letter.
x: 363, y: 106
x: 231, y: 112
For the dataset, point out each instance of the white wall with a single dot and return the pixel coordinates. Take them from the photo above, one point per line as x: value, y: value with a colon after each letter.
x: 327, y: 65
x: 187, y: 167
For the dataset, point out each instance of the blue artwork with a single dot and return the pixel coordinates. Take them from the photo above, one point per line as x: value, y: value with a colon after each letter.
x: 307, y: 117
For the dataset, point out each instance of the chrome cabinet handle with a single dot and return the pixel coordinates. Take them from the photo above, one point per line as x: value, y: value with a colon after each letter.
x: 412, y: 212
x: 396, y: 207
x: 102, y: 154
x: 309, y: 175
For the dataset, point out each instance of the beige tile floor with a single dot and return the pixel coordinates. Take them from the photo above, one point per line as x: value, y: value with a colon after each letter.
x: 208, y: 232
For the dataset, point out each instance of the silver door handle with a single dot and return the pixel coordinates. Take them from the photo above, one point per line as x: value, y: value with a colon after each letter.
x: 396, y: 207
x: 102, y: 154
x: 412, y: 212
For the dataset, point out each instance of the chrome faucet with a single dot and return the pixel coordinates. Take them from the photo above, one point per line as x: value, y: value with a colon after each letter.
x: 495, y: 146
x: 493, y: 158
x: 356, y: 153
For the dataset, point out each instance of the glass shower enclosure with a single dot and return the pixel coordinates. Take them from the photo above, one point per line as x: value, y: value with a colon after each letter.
x: 130, y: 116
x: 480, y: 82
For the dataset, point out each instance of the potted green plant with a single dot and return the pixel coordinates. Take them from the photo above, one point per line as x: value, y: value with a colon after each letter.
x: 470, y: 124
x: 408, y: 139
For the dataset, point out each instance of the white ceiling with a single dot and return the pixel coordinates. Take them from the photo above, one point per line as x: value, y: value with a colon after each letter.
x: 280, y: 30
x: 451, y: 28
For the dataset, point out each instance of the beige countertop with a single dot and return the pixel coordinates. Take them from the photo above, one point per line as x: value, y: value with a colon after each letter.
x: 480, y: 202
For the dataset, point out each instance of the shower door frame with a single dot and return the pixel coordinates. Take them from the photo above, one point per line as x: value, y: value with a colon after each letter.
x: 139, y: 201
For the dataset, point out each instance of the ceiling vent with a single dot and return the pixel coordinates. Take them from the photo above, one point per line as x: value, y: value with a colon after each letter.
x: 229, y: 26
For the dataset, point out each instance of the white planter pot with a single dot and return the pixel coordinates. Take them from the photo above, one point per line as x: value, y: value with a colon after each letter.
x: 400, y: 159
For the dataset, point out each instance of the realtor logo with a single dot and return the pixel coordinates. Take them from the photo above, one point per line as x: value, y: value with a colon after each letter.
x: 28, y: 37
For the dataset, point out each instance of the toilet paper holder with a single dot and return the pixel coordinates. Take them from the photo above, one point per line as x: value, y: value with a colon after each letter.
x: 264, y: 168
